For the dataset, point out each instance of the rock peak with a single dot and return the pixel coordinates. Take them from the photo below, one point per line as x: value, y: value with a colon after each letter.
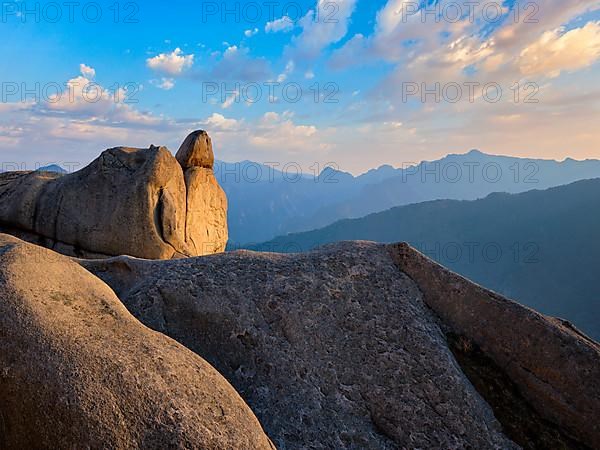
x: 196, y: 151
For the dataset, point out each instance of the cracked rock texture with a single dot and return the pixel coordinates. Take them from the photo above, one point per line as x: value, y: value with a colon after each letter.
x: 139, y: 202
x: 79, y: 371
x: 331, y: 349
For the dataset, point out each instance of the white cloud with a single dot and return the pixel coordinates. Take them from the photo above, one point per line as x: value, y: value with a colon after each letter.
x: 235, y: 63
x: 328, y: 25
x: 549, y: 15
x: 76, y: 124
x: 289, y: 68
x: 10, y: 135
x: 251, y: 32
x: 165, y: 84
x: 87, y: 71
x: 173, y: 63
x: 397, y: 23
x: 283, y: 24
x: 557, y: 51
x: 277, y: 131
x: 84, y: 100
x: 12, y: 107
x: 219, y: 123
x: 426, y: 50
x: 83, y: 96
x: 231, y: 51
x: 231, y: 99
x: 272, y: 136
x: 354, y: 52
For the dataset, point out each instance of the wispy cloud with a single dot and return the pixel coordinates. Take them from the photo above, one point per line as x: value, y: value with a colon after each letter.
x: 325, y: 25
x: 559, y: 50
x: 283, y: 24
x: 87, y: 71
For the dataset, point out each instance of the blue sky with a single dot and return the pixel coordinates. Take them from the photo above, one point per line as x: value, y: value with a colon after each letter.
x: 339, y: 81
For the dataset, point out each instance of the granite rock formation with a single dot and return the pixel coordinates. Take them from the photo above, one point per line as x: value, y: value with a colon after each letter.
x: 360, y: 345
x: 206, y: 203
x: 354, y: 345
x: 78, y: 371
x: 138, y: 202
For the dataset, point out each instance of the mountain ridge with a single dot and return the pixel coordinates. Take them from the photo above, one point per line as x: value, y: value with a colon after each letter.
x: 261, y: 210
x: 539, y: 246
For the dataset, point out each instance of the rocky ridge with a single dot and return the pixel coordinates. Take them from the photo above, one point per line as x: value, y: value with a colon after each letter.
x: 356, y: 345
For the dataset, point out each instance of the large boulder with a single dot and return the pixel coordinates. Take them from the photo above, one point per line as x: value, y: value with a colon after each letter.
x: 196, y: 151
x: 78, y: 371
x: 331, y: 349
x: 139, y: 202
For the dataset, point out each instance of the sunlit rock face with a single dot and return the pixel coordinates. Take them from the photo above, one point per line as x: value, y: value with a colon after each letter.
x: 206, y: 203
x: 139, y: 202
x: 79, y: 371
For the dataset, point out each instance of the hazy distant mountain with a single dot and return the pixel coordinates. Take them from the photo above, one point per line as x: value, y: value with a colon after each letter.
x: 53, y: 168
x: 49, y: 168
x: 539, y: 247
x: 264, y: 202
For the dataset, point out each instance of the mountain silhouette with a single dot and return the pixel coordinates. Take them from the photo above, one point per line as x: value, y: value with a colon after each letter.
x: 266, y: 202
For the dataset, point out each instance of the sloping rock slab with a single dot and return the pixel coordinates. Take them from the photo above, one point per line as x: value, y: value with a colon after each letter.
x: 555, y: 366
x: 78, y: 371
x: 331, y: 349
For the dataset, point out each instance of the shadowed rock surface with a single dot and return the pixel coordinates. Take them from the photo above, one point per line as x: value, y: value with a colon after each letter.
x: 78, y: 371
x: 139, y: 202
x: 356, y: 345
x: 554, y: 365
x: 332, y: 349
